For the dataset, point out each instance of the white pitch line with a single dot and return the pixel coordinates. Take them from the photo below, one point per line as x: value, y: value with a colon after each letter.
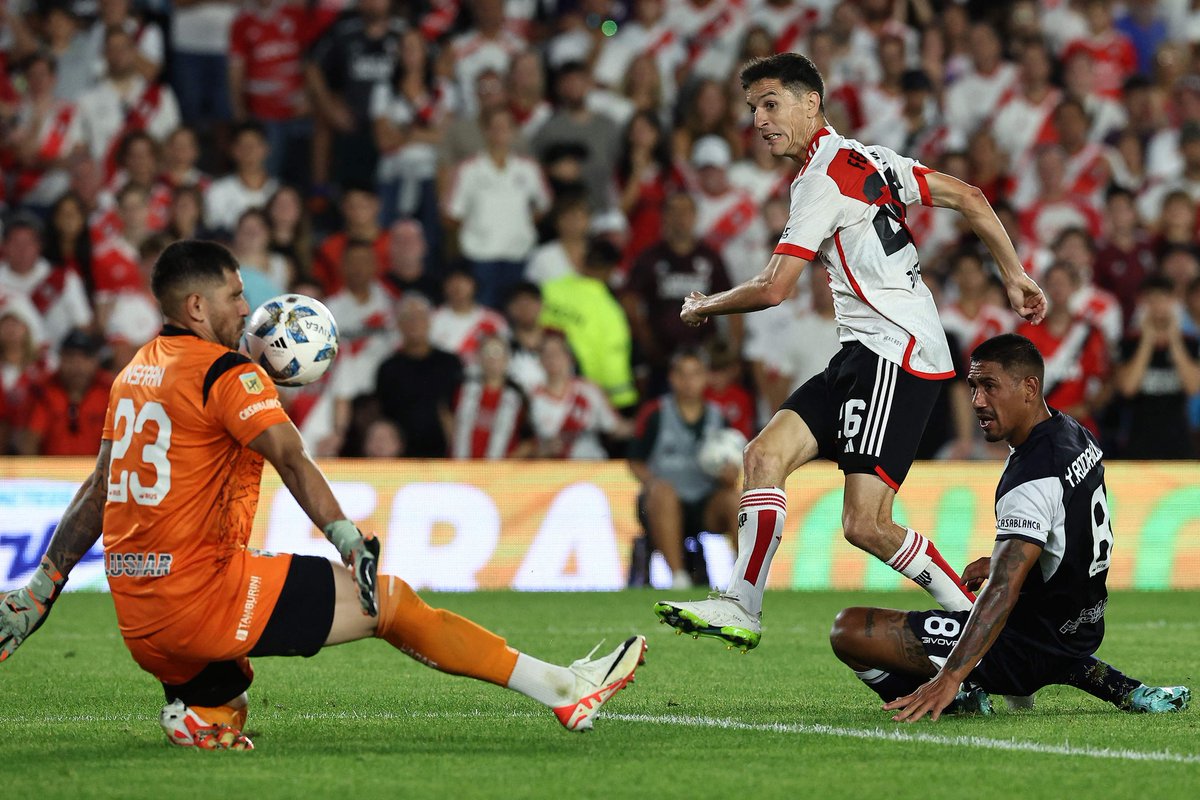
x: 795, y: 728
x: 900, y: 735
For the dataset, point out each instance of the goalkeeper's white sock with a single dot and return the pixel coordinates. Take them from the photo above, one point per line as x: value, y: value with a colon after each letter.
x: 549, y: 684
x: 760, y: 529
x: 920, y: 562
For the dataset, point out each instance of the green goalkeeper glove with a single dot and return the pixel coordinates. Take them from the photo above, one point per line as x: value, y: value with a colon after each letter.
x: 22, y: 611
x: 361, y: 554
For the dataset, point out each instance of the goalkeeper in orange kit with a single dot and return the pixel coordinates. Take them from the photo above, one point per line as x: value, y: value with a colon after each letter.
x: 190, y: 422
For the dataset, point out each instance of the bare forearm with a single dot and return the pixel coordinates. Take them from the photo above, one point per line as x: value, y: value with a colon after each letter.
x: 987, y: 227
x: 1130, y: 375
x: 80, y: 526
x: 304, y: 480
x: 753, y: 295
x: 987, y: 619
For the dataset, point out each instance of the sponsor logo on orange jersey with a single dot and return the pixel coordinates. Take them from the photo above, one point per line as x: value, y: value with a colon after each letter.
x: 262, y: 405
x: 137, y: 565
x: 243, y: 629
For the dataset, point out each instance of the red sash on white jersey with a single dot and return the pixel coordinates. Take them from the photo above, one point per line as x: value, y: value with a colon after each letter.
x: 732, y: 223
x: 664, y: 39
x: 796, y: 30
x: 1085, y: 172
x: 712, y: 29
x: 50, y: 290
x: 571, y: 414
x: 136, y: 119
x: 51, y: 149
x: 485, y: 421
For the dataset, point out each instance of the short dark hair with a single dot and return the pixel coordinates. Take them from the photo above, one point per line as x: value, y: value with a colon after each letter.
x: 248, y: 126
x: 186, y: 263
x: 601, y: 253
x: 1015, y: 354
x: 1156, y: 283
x: 796, y: 72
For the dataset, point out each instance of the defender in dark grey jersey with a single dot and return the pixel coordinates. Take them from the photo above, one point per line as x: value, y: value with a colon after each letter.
x: 1040, y: 616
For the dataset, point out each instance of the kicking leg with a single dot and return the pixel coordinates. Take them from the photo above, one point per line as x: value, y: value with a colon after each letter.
x: 735, y: 616
x: 867, y: 522
x: 455, y: 645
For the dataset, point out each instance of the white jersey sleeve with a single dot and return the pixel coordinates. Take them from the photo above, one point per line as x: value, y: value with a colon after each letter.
x: 818, y: 209
x: 1029, y: 511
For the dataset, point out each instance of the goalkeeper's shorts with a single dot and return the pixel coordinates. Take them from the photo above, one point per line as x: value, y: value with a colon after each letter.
x: 282, y: 607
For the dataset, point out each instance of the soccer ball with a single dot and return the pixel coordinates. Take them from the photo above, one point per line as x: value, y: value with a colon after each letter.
x: 293, y: 337
x: 721, y: 449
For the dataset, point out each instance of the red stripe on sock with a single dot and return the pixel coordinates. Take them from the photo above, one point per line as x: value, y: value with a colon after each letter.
x: 762, y: 540
x: 908, y: 555
x: 777, y: 506
x: 950, y: 573
x: 757, y: 497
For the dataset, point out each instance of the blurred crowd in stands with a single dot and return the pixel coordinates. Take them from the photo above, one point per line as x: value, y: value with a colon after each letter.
x: 504, y: 202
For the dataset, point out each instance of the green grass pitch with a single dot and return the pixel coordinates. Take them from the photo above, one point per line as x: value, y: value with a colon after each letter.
x: 786, y: 720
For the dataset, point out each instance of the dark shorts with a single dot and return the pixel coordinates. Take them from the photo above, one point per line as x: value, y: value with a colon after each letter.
x: 298, y: 626
x: 1011, y: 666
x: 866, y: 413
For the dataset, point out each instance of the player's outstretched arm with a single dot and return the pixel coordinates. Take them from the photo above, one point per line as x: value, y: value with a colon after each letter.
x: 282, y: 446
x: 769, y: 288
x: 949, y: 192
x: 1010, y: 562
x: 22, y: 611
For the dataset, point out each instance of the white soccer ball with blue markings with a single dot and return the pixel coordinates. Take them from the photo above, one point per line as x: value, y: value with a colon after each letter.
x: 720, y: 450
x: 293, y: 337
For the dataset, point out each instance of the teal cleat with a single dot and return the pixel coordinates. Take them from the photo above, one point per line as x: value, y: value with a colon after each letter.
x: 1158, y: 699
x: 971, y: 700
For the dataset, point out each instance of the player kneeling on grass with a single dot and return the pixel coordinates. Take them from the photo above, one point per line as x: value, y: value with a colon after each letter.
x: 1040, y: 616
x: 176, y: 484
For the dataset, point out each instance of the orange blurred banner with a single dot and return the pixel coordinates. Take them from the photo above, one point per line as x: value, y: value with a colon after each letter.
x: 553, y: 525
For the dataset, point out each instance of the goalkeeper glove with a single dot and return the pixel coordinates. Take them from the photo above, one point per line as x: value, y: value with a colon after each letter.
x: 22, y: 611
x: 361, y: 554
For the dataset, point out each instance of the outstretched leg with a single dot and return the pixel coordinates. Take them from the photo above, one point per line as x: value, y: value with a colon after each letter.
x: 456, y: 645
x: 1111, y: 685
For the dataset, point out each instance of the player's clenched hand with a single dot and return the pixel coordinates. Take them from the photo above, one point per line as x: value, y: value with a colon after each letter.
x: 690, y: 313
x: 976, y: 573
x: 361, y: 554
x: 1027, y: 299
x: 22, y: 611
x: 931, y: 698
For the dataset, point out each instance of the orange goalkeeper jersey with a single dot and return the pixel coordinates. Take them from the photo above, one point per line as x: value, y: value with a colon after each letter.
x: 182, y: 485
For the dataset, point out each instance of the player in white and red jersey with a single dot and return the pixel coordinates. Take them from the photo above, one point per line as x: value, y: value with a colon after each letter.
x: 867, y: 410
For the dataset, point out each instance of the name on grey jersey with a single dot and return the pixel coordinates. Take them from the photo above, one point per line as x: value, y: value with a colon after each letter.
x: 1083, y: 465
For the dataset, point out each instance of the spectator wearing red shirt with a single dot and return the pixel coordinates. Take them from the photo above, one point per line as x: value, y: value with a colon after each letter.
x: 1113, y: 54
x: 1077, y: 363
x: 727, y: 390
x: 266, y: 80
x: 360, y: 213
x: 67, y: 408
x: 645, y: 176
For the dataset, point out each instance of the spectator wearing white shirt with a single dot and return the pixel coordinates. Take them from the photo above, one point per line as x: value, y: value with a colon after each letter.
x: 494, y: 204
x: 727, y: 218
x: 56, y: 293
x: 646, y: 33
x: 972, y: 97
x: 489, y: 46
x: 368, y: 333
x: 460, y: 324
x: 148, y: 38
x: 250, y: 185
x: 563, y: 255
x: 569, y: 413
x: 200, y: 59
x: 124, y: 101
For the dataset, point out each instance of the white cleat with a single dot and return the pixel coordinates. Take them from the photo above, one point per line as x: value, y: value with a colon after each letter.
x: 597, y: 680
x: 720, y: 616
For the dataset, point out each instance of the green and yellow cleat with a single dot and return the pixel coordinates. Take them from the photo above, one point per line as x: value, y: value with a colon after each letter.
x: 719, y: 617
